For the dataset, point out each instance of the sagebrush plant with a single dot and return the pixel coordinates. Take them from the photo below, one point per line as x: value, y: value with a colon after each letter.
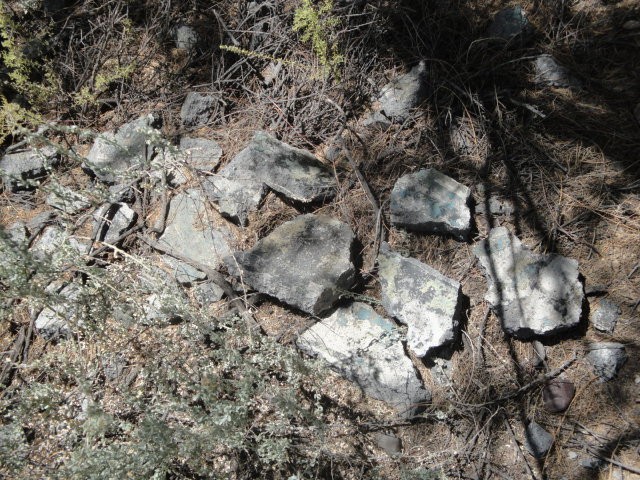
x: 317, y: 26
x: 147, y: 384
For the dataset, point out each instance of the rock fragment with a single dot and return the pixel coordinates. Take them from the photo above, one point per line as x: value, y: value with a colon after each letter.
x: 391, y: 444
x: 557, y: 395
x: 186, y: 37
x: 196, y: 109
x: 509, y: 24
x: 207, y: 293
x: 605, y: 316
x: 404, y: 93
x: 305, y: 262
x: 431, y: 202
x: 190, y: 231
x: 420, y: 297
x: 532, y: 294
x: 201, y: 154
x: 67, y: 200
x: 116, y: 156
x: 295, y: 173
x: 183, y: 272
x: 607, y: 359
x: 538, y: 440
x: 548, y: 71
x: 19, y: 168
x: 112, y: 220
x: 366, y: 348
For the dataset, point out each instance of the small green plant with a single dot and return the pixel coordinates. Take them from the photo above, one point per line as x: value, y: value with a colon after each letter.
x: 317, y: 26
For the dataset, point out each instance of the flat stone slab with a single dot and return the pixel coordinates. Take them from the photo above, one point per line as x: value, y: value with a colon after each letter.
x: 19, y: 167
x: 295, y: 173
x: 401, y: 95
x: 605, y: 316
x: 118, y: 155
x: 532, y: 294
x: 366, y: 349
x: 200, y: 153
x: 305, y: 262
x: 548, y: 71
x: 607, y: 359
x: 429, y: 201
x: 420, y: 297
x: 190, y: 231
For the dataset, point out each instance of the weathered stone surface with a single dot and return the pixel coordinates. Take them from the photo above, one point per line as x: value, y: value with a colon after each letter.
x: 189, y: 231
x: 404, y: 93
x: 538, y: 440
x: 200, y: 153
x: 295, y: 173
x: 186, y: 37
x: 391, y: 444
x: 52, y: 243
x: 548, y: 71
x: 112, y: 220
x: 207, y: 293
x: 557, y: 395
x: 67, y: 200
x: 420, y: 297
x: 497, y: 206
x: 117, y: 156
x: 305, y: 262
x: 532, y: 294
x: 431, y: 202
x: 366, y: 348
x: 19, y: 167
x: 196, y: 109
x: 56, y: 321
x: 607, y: 359
x: 183, y: 272
x: 605, y: 316
x: 509, y: 23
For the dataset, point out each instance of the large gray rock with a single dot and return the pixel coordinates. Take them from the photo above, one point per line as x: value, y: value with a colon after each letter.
x: 293, y: 172
x: 548, y: 71
x: 200, y: 153
x: 607, y: 358
x: 404, y: 93
x: 120, y: 155
x: 305, y: 262
x: 366, y: 348
x: 532, y: 294
x: 431, y: 202
x: 537, y: 440
x: 420, y: 297
x: 189, y: 231
x: 196, y: 109
x: 509, y: 24
x: 605, y: 316
x: 18, y: 168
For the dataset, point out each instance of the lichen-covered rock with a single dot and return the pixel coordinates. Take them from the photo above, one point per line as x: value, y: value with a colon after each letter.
x: 420, y: 297
x: 431, y: 202
x: 607, y: 359
x: 196, y: 109
x: 404, y: 93
x: 120, y: 155
x: 295, y: 173
x: 200, y: 153
x: 191, y: 232
x: 532, y: 294
x: 305, y: 262
x: 18, y: 168
x: 366, y: 348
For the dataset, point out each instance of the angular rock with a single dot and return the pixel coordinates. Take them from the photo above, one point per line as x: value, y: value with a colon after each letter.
x: 420, y: 297
x: 404, y: 93
x: 207, y: 293
x: 18, y: 168
x: 293, y: 172
x: 305, y: 262
x: 196, y: 109
x: 67, y: 200
x: 509, y: 23
x: 183, y: 272
x: 429, y: 201
x: 56, y: 321
x: 186, y: 37
x: 549, y: 72
x: 112, y: 220
x: 532, y: 294
x: 391, y: 444
x: 53, y: 242
x: 200, y: 153
x: 557, y: 395
x: 538, y: 440
x: 117, y: 156
x: 605, y: 316
x: 189, y: 231
x: 607, y: 359
x: 366, y: 349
